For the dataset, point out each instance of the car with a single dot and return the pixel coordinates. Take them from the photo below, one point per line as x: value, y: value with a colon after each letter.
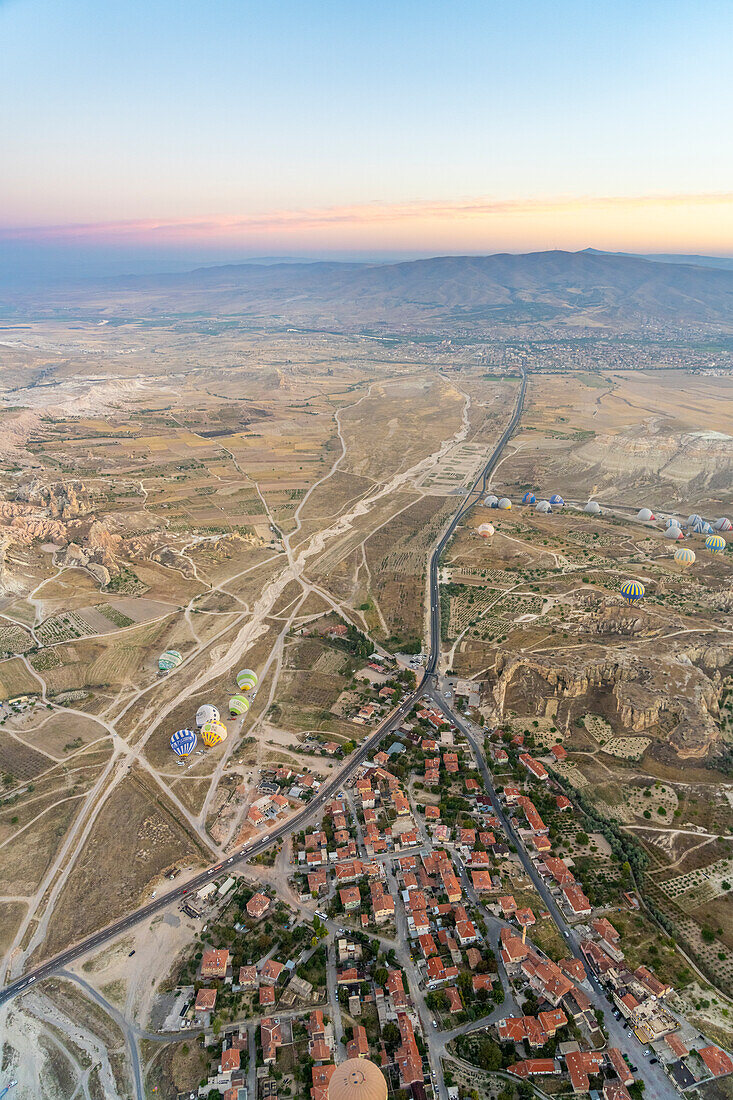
x: 653, y: 1061
x: 130, y: 953
x: 154, y: 893
x: 31, y: 980
x: 434, y: 1023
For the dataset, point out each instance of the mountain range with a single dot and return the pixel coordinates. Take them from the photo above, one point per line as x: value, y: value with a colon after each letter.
x: 446, y: 293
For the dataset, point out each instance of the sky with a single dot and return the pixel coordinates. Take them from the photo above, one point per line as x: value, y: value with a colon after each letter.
x: 159, y: 134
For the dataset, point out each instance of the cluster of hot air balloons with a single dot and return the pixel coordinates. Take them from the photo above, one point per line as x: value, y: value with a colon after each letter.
x: 208, y: 719
x: 529, y: 498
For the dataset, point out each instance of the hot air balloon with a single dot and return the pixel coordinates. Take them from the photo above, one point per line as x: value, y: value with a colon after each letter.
x: 723, y: 524
x: 715, y: 543
x: 645, y: 515
x: 213, y: 733
x: 673, y: 532
x: 486, y: 530
x: 238, y: 704
x: 698, y: 527
x: 168, y: 660
x: 693, y: 519
x: 684, y: 555
x: 543, y: 507
x: 491, y: 501
x: 505, y: 503
x: 183, y: 742
x: 672, y: 522
x: 556, y: 499
x: 206, y: 713
x: 632, y: 591
x: 529, y: 498
x: 707, y: 528
x: 593, y: 508
x: 247, y: 680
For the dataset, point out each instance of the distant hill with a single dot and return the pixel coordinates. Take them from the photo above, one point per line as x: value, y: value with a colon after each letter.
x: 446, y: 293
x: 674, y: 258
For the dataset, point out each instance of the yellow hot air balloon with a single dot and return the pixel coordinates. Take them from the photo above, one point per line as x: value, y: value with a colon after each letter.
x: 684, y: 556
x: 213, y: 733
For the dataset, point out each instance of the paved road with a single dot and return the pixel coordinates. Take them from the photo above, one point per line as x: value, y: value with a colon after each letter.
x: 469, y: 500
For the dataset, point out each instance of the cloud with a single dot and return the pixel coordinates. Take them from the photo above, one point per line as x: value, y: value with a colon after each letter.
x: 439, y: 214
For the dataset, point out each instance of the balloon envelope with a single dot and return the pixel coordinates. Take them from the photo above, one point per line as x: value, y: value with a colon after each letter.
x: 183, y: 742
x: 528, y: 498
x: 246, y: 680
x: 505, y: 503
x: 206, y: 713
x: 593, y: 508
x: 632, y: 591
x: 684, y: 555
x: 238, y: 704
x: 213, y: 733
x: 715, y: 543
x: 168, y: 660
x: 556, y: 499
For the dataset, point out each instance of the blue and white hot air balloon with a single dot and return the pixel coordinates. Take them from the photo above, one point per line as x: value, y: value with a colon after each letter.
x: 529, y: 498
x: 715, y: 543
x: 632, y: 591
x: 183, y: 742
x: 556, y: 499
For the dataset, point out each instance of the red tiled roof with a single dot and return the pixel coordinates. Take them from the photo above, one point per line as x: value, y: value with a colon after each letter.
x: 716, y: 1060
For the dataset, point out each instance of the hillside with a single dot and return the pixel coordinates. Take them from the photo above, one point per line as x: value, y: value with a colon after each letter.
x: 448, y: 293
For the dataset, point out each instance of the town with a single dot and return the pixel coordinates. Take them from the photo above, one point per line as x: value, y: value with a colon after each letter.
x: 429, y: 924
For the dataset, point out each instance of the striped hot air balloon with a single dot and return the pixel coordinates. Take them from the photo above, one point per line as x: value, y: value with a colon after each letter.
x: 684, y: 555
x: 213, y: 733
x: 183, y: 742
x: 715, y: 543
x: 529, y: 498
x: 723, y: 524
x: 238, y: 704
x: 247, y: 680
x: 632, y: 591
x: 168, y: 660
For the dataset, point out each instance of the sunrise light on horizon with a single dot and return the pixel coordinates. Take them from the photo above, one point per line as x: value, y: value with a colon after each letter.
x: 330, y: 129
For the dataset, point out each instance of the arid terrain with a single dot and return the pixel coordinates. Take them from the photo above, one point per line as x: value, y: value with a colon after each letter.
x: 268, y: 499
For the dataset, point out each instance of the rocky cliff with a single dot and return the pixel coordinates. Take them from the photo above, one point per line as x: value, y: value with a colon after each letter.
x: 668, y: 694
